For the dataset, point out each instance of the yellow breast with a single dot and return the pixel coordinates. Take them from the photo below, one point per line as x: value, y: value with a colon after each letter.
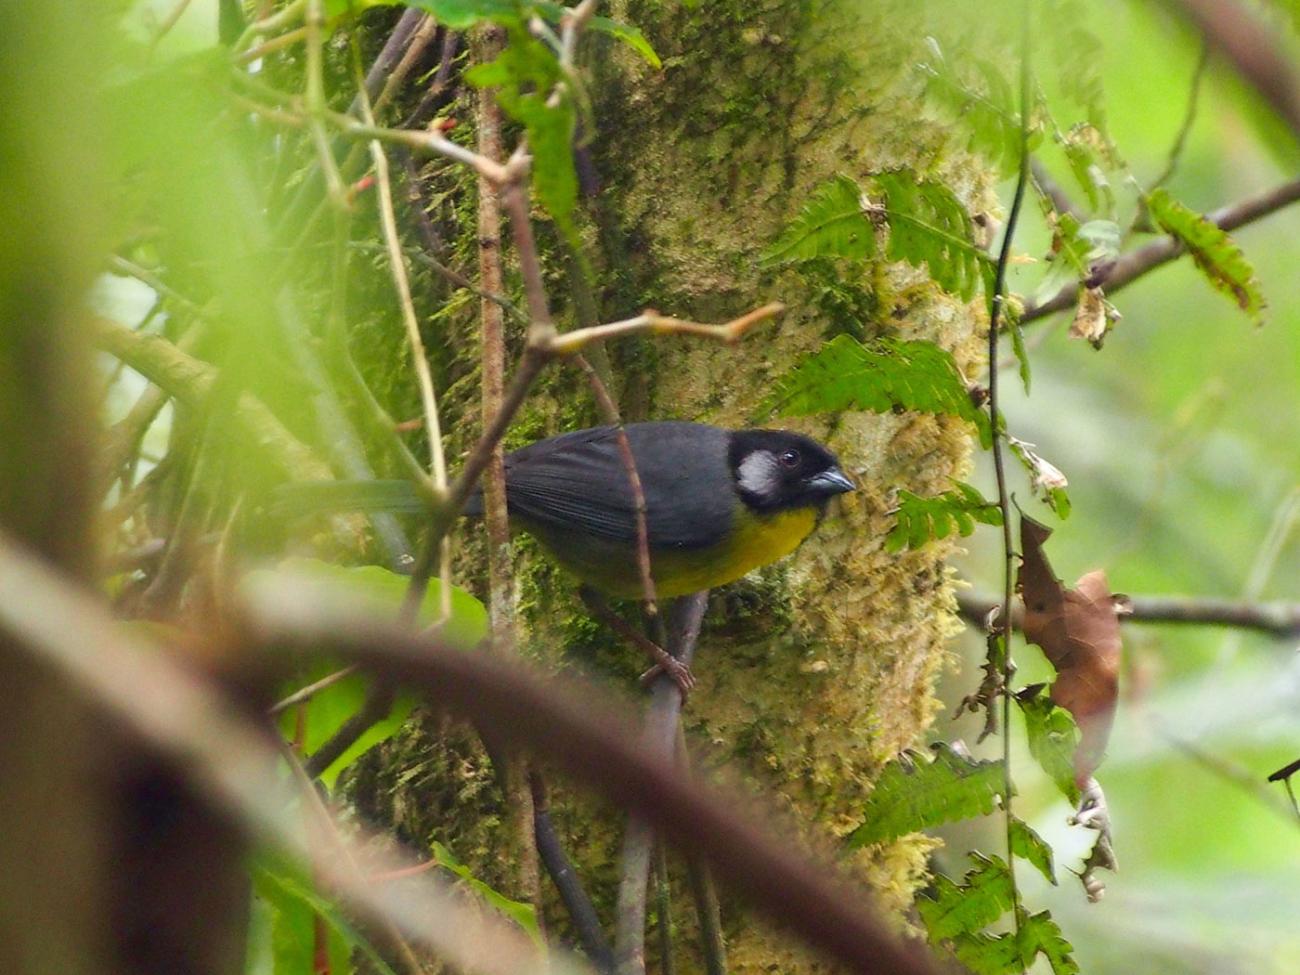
x: 755, y: 540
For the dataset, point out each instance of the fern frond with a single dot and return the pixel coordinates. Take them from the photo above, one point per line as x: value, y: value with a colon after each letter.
x: 920, y: 519
x: 883, y: 376
x: 913, y: 794
x: 833, y: 223
x: 929, y: 225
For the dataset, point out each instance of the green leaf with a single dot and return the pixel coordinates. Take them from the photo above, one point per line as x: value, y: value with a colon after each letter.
x: 883, y: 376
x: 382, y: 591
x: 929, y: 226
x: 629, y: 35
x: 1028, y: 845
x: 987, y: 954
x: 833, y: 223
x: 976, y: 96
x: 1213, y: 251
x: 293, y: 905
x: 524, y: 75
x: 1039, y: 933
x: 913, y: 794
x: 983, y: 896
x: 521, y: 913
x: 1053, y: 738
x: 920, y: 519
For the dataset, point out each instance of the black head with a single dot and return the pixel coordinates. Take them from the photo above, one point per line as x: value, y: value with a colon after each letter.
x: 775, y: 469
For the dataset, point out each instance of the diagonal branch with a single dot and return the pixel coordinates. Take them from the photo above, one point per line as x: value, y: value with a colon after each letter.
x: 1136, y: 263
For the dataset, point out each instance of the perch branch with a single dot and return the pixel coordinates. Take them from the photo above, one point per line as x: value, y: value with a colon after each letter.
x: 659, y: 739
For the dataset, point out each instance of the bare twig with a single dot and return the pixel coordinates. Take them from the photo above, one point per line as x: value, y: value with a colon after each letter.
x: 605, y: 403
x: 1000, y: 635
x: 576, y: 900
x: 311, y: 690
x: 1189, y: 117
x: 419, y: 359
x: 501, y: 584
x: 1280, y: 620
x: 1252, y: 48
x: 652, y: 322
x: 1136, y: 263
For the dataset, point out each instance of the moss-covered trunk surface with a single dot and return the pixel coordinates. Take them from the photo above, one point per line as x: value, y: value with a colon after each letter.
x: 820, y: 668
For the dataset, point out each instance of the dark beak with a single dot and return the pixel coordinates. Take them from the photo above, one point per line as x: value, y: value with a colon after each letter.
x: 829, y: 483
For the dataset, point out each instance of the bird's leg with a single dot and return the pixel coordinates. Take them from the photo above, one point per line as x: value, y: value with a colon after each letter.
x: 663, y: 660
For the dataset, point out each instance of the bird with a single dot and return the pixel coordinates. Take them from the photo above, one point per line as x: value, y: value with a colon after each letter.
x: 718, y: 503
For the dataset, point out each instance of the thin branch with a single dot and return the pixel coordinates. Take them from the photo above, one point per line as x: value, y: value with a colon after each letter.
x: 1136, y: 263
x: 1251, y: 47
x: 1189, y: 117
x: 1000, y: 631
x: 1280, y: 620
x: 311, y: 690
x: 659, y: 738
x: 652, y: 322
x: 419, y: 359
x: 314, y: 22
x: 609, y: 410
x: 586, y: 922
x: 524, y: 830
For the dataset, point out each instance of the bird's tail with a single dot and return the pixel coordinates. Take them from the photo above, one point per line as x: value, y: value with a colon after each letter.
x: 302, y: 498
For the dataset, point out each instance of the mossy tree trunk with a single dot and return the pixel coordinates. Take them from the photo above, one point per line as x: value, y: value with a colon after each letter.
x: 817, y: 670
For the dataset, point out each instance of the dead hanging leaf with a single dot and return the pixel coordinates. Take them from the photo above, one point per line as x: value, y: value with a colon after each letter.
x: 1078, y: 630
x: 1094, y: 317
x: 1045, y: 478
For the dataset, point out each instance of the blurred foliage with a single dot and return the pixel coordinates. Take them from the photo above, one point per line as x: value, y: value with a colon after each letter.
x: 1178, y: 435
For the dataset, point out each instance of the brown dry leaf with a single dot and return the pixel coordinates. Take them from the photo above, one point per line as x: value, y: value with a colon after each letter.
x: 1093, y: 317
x: 1078, y: 630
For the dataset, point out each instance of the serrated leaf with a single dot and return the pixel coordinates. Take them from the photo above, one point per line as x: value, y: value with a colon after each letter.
x: 1039, y: 933
x: 883, y: 376
x: 929, y: 226
x: 976, y: 97
x: 1212, y: 250
x: 983, y: 896
x: 913, y: 794
x: 294, y: 906
x: 1028, y: 845
x: 525, y: 915
x: 987, y: 954
x: 833, y: 223
x: 1053, y: 738
x: 919, y: 519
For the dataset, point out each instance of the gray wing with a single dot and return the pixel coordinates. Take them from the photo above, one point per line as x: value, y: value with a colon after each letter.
x: 577, y: 483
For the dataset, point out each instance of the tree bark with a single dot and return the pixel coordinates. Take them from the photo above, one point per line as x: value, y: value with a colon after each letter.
x: 817, y: 670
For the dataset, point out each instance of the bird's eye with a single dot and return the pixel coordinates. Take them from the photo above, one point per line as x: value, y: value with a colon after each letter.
x: 790, y: 458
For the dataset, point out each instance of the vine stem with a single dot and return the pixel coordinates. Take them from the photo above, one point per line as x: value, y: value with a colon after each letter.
x: 997, y: 303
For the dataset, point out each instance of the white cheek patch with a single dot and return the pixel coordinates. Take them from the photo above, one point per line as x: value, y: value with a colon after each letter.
x: 758, y: 474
